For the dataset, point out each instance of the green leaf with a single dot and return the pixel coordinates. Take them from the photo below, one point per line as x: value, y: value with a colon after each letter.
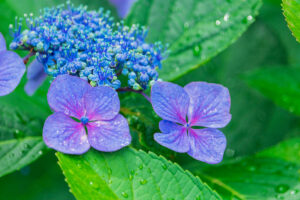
x: 130, y: 174
x: 291, y: 10
x: 17, y: 153
x: 271, y: 174
x: 196, y: 30
x: 280, y: 84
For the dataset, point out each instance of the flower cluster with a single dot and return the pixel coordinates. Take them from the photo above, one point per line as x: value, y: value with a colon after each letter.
x: 88, y: 44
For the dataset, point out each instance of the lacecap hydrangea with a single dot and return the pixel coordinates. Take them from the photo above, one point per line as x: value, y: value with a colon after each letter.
x: 88, y: 44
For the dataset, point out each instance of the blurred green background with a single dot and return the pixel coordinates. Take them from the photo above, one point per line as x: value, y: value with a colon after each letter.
x: 257, y: 122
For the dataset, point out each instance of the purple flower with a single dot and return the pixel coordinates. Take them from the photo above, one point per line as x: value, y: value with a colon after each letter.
x: 95, y: 108
x: 36, y: 76
x: 12, y: 69
x: 184, y: 110
x: 123, y: 6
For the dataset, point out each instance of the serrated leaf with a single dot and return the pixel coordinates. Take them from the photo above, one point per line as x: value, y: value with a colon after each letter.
x: 291, y: 10
x: 17, y: 153
x: 130, y: 174
x: 270, y: 174
x: 196, y: 30
x: 280, y: 84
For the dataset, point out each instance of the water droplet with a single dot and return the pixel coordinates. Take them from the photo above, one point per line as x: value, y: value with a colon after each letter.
x: 281, y: 188
x: 293, y: 192
x: 226, y: 17
x: 218, y: 22
x: 143, y: 181
x: 40, y: 152
x: 94, y: 185
x: 186, y: 26
x: 249, y: 17
x: 230, y: 152
x: 197, y: 50
x: 130, y: 177
x: 164, y: 166
x: 124, y: 194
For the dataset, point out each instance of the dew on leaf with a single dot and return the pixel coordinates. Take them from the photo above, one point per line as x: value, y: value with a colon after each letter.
x: 249, y: 17
x: 124, y: 194
x: 226, y: 17
x: 197, y: 50
x: 281, y: 188
x: 143, y: 181
x: 218, y: 22
x: 186, y: 26
x: 164, y: 166
x: 94, y: 185
x: 18, y: 134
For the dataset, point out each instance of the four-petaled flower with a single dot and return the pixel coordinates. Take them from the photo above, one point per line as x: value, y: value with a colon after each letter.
x: 12, y: 69
x: 184, y: 110
x: 95, y: 108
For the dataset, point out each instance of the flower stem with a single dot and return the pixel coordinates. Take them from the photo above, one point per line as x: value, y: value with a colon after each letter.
x: 127, y: 89
x: 26, y: 58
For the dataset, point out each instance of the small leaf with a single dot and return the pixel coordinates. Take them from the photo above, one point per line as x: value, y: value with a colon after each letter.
x: 280, y: 84
x: 17, y: 153
x: 195, y: 30
x: 291, y: 10
x: 130, y: 174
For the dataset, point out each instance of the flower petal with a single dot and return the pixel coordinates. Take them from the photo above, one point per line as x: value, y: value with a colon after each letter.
x: 209, y: 104
x: 207, y: 145
x: 66, y: 94
x: 110, y: 135
x: 102, y: 103
x: 2, y: 43
x: 173, y: 136
x: 12, y: 69
x: 123, y: 6
x: 36, y: 76
x: 63, y: 134
x: 170, y: 101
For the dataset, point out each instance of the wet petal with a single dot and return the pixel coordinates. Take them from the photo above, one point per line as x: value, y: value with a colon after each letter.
x: 209, y: 105
x: 173, y: 136
x: 102, y: 103
x: 170, y: 101
x: 2, y: 43
x: 207, y: 145
x: 123, y: 6
x: 12, y: 69
x: 36, y: 76
x: 109, y: 135
x: 63, y: 134
x: 66, y: 94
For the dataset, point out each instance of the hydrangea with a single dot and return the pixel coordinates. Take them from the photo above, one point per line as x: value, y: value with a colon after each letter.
x: 77, y: 106
x: 88, y: 44
x: 185, y: 111
x: 12, y: 69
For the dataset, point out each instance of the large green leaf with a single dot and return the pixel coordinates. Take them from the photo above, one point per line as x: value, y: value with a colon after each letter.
x: 196, y: 30
x: 291, y: 10
x: 130, y: 174
x: 271, y: 174
x: 17, y: 153
x: 280, y: 84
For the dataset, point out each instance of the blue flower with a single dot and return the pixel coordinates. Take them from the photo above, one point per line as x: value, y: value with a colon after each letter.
x: 88, y: 44
x: 184, y: 110
x: 95, y: 108
x: 12, y: 69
